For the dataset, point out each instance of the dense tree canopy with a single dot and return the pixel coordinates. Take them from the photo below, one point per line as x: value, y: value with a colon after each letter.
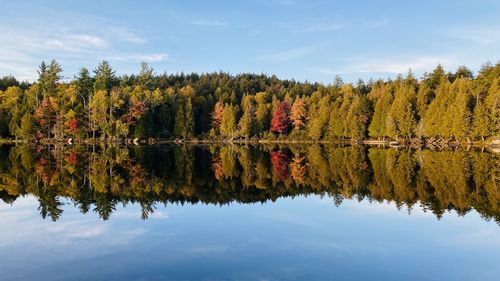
x: 100, y: 105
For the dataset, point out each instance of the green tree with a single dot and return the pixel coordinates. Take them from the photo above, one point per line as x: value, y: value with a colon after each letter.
x: 184, y: 117
x: 247, y: 122
x: 228, y: 126
x: 358, y: 117
x: 378, y: 125
x: 104, y: 77
x: 401, y: 116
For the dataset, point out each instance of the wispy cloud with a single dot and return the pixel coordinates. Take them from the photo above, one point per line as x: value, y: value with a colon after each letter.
x: 141, y: 57
x: 286, y: 55
x: 125, y: 34
x: 329, y: 26
x: 390, y: 65
x: 23, y: 46
x: 480, y: 35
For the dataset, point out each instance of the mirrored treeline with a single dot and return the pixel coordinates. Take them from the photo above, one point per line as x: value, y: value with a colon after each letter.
x: 98, y: 178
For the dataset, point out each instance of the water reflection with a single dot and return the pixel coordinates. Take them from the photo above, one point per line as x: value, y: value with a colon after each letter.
x: 98, y: 179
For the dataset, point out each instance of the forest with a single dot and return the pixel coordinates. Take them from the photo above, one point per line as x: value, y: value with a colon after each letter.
x: 100, y: 106
x: 101, y: 178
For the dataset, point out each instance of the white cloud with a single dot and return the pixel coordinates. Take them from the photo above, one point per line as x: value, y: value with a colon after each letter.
x: 329, y: 26
x: 399, y: 66
x: 124, y: 34
x: 390, y: 65
x: 24, y: 46
x: 155, y: 57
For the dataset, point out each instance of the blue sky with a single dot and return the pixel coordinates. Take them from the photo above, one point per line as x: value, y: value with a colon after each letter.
x: 299, y: 39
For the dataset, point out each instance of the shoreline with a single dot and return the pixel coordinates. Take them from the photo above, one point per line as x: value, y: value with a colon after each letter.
x: 493, y: 144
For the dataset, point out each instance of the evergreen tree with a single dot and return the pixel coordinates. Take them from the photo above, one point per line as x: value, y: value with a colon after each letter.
x: 84, y: 83
x: 319, y: 118
x: 460, y: 111
x: 378, y: 125
x: 104, y: 77
x: 146, y: 78
x: 358, y: 117
x: 183, y: 117
x: 401, y: 116
x: 434, y: 124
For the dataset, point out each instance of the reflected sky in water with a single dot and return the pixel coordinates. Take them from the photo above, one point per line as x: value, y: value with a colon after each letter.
x: 305, y: 238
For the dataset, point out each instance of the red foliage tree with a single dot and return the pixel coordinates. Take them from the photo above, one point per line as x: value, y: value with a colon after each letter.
x: 72, y: 126
x: 45, y: 117
x: 281, y: 118
x: 72, y: 158
x: 280, y: 161
x: 136, y: 110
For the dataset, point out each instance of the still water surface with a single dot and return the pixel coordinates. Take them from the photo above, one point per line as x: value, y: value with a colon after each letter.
x: 248, y: 213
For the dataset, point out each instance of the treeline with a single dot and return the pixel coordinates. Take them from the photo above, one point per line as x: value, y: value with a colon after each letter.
x: 440, y: 106
x: 101, y: 179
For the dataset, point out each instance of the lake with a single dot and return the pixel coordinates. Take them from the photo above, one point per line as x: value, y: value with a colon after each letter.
x: 241, y: 212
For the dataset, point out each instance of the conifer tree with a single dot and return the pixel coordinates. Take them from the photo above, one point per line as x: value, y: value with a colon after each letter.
x: 183, y: 117
x: 358, y: 118
x: 433, y: 122
x: 460, y: 111
x: 319, y: 118
x: 401, y: 116
x: 104, y: 77
x: 378, y: 125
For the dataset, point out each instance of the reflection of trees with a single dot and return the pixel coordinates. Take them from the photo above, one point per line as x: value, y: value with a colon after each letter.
x: 100, y: 178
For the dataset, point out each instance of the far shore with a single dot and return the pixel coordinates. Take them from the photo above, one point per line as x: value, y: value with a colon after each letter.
x: 493, y: 144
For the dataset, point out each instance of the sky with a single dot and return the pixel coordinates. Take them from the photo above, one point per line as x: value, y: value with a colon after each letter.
x: 292, y: 39
x: 300, y: 238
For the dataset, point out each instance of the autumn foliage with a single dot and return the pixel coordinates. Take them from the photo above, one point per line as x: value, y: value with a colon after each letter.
x: 280, y: 160
x: 281, y: 120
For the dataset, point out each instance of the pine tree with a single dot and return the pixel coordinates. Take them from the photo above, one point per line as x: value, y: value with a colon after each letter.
x: 48, y: 78
x: 146, y: 76
x: 84, y: 84
x: 104, y: 77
